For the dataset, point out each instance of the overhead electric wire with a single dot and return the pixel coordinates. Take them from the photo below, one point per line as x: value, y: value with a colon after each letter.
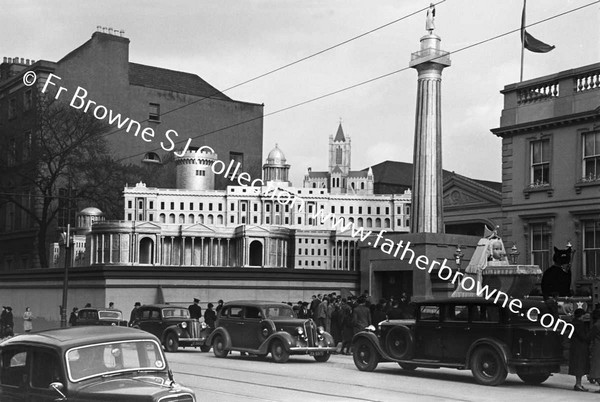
x: 481, y: 42
x: 310, y: 56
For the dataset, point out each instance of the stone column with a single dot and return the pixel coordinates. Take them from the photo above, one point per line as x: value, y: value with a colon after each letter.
x: 427, y: 213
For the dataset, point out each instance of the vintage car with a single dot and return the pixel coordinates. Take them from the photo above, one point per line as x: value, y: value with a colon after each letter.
x: 87, y: 364
x: 262, y: 327
x: 173, y: 326
x: 465, y: 333
x: 100, y: 316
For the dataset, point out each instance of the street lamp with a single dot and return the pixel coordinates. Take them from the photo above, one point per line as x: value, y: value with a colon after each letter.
x: 458, y: 255
x: 66, y: 237
x: 514, y: 254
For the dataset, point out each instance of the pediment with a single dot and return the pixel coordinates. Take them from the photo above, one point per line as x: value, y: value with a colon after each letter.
x: 147, y: 226
x: 460, y: 191
x: 197, y: 227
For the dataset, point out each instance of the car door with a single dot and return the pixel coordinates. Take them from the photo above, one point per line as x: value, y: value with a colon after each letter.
x: 14, y: 373
x: 232, y: 320
x: 150, y: 321
x: 252, y: 328
x: 46, y: 368
x: 428, y: 333
x: 457, y: 332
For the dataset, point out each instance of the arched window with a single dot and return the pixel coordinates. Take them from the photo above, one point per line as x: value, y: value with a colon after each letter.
x: 369, y: 222
x: 338, y: 156
x: 171, y: 218
x: 362, y: 185
x: 314, y: 185
x: 219, y: 219
x: 191, y: 218
x: 386, y: 223
x: 377, y: 223
x: 162, y: 218
x: 360, y: 221
x: 200, y: 218
x: 211, y: 220
x: 181, y: 218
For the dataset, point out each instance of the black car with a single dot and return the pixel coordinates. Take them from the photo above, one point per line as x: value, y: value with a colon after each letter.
x: 263, y: 327
x: 103, y: 364
x: 100, y: 316
x: 173, y: 326
x: 465, y: 333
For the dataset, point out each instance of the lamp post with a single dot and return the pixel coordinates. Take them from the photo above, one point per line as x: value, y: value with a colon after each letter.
x: 63, y: 310
x: 458, y: 255
x: 514, y: 254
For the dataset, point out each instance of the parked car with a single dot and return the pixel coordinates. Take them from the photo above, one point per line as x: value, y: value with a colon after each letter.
x: 103, y: 364
x: 465, y: 333
x: 100, y: 316
x: 173, y: 326
x: 262, y: 327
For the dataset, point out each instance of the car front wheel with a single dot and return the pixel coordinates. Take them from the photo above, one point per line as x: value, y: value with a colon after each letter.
x: 534, y: 378
x: 171, y: 342
x: 487, y: 366
x: 365, y: 356
x: 278, y: 351
x: 218, y: 346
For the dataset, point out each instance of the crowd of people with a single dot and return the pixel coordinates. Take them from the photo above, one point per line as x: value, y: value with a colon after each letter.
x: 7, y: 322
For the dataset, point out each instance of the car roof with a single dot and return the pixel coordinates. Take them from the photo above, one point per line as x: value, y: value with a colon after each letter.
x: 65, y: 338
x: 255, y: 303
x: 99, y: 309
x: 164, y: 305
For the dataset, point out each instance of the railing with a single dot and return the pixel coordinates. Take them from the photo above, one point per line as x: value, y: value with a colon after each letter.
x: 587, y: 81
x: 538, y: 93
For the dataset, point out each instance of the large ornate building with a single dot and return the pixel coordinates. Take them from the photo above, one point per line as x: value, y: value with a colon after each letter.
x: 242, y: 226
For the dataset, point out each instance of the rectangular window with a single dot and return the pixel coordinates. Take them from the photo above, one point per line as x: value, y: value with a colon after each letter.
x: 129, y: 217
x: 181, y: 206
x: 172, y: 206
x: 210, y: 206
x: 591, y: 249
x: 591, y: 156
x: 232, y: 219
x: 369, y: 210
x: 154, y: 112
x: 255, y: 207
x: 359, y: 210
x: 232, y: 206
x: 299, y: 251
x: 387, y: 210
x: 201, y: 206
x: 129, y: 204
x: 151, y: 204
x: 162, y: 205
x: 12, y: 108
x: 342, y: 209
x: 351, y: 210
x: 540, y: 162
x: 540, y: 244
x: 332, y: 209
x: 378, y: 210
x: 27, y: 100
x: 151, y: 217
x: 256, y: 219
x: 243, y: 207
x: 399, y: 209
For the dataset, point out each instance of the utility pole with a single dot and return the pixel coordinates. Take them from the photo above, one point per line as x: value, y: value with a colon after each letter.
x: 63, y: 309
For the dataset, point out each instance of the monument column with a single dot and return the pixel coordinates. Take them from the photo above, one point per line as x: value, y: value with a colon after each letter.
x: 426, y: 211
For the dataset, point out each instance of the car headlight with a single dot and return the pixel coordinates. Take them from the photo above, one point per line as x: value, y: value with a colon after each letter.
x: 320, y: 330
x: 203, y: 325
x: 184, y: 325
x: 300, y: 330
x: 370, y: 328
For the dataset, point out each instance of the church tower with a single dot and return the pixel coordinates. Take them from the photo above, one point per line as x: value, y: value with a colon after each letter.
x: 339, y: 152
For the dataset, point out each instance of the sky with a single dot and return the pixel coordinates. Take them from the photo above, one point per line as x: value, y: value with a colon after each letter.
x: 227, y: 42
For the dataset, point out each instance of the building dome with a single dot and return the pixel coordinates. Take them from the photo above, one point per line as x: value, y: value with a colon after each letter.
x: 91, y: 211
x: 276, y: 157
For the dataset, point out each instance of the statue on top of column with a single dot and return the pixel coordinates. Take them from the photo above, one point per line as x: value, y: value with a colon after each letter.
x: 430, y: 23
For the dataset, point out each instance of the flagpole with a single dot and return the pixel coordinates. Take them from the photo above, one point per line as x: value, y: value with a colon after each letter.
x: 523, y: 39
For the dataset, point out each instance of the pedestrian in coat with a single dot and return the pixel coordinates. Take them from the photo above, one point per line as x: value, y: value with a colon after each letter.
x: 73, y: 317
x: 134, y: 311
x: 303, y: 312
x: 314, y: 306
x: 195, y: 309
x: 219, y: 306
x: 322, y: 313
x: 3, y: 322
x: 579, y: 352
x: 27, y: 320
x: 595, y: 348
x: 361, y: 316
x: 10, y: 324
x: 210, y: 316
x: 347, y: 327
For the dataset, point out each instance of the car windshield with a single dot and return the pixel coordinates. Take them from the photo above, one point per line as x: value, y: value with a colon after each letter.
x: 279, y: 312
x: 176, y: 312
x: 110, y: 315
x: 114, y: 357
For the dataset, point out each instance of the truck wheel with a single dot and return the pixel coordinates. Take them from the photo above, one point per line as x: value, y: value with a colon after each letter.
x: 218, y: 346
x: 487, y: 366
x: 171, y: 342
x: 365, y: 356
x: 534, y: 378
x: 278, y: 351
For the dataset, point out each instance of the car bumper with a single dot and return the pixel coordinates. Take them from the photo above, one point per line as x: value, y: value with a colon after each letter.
x: 534, y: 363
x: 312, y: 349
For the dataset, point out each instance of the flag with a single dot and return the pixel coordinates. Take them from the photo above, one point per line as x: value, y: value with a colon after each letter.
x: 529, y: 42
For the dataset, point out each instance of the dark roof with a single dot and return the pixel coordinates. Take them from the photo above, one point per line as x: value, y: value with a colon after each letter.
x: 339, y: 136
x: 318, y: 174
x: 171, y: 80
x: 164, y: 305
x: 401, y: 174
x: 358, y: 173
x: 78, y: 336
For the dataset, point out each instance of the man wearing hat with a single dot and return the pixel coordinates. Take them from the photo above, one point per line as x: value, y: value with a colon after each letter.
x: 3, y: 322
x: 134, y: 311
x: 9, y: 322
x: 195, y: 309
